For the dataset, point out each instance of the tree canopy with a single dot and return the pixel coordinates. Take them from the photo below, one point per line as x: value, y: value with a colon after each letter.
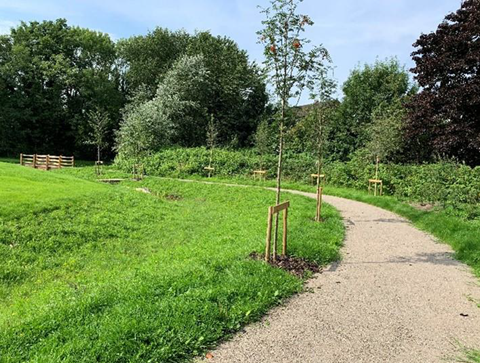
x: 236, y: 94
x: 51, y: 75
x: 372, y: 86
x: 444, y: 116
x: 173, y: 116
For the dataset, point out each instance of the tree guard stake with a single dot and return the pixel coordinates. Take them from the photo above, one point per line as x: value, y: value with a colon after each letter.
x: 275, y: 210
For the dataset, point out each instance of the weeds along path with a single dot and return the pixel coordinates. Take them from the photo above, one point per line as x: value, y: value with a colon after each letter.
x: 397, y: 296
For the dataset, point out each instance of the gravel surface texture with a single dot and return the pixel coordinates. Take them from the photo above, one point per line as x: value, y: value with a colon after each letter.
x: 396, y: 296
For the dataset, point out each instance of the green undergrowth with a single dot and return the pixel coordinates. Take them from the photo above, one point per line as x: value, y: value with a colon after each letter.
x: 95, y: 272
x: 446, y: 183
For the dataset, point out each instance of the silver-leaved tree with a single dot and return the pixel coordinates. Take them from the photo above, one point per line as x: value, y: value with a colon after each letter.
x: 292, y: 65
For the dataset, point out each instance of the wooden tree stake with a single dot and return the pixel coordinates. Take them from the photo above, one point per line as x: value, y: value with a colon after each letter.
x: 319, y: 204
x: 269, y: 234
x: 275, y: 210
x: 284, y: 241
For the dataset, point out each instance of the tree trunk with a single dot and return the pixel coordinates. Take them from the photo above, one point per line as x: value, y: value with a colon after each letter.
x: 319, y: 192
x: 279, y: 179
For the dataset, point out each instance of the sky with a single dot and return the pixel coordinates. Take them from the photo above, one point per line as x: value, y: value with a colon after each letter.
x: 354, y: 32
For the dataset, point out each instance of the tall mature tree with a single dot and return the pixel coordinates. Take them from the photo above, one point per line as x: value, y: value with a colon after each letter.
x: 366, y: 89
x: 445, y: 114
x: 291, y: 66
x: 173, y: 114
x: 145, y: 59
x: 52, y: 74
x: 11, y: 103
x: 237, y: 94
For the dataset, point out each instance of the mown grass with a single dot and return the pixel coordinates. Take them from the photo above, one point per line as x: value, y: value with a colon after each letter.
x: 94, y: 272
x: 461, y: 234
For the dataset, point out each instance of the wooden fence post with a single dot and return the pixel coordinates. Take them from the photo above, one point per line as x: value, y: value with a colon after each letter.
x: 284, y: 244
x: 319, y: 204
x: 269, y: 234
x: 34, y: 161
x: 21, y: 159
x: 48, y: 161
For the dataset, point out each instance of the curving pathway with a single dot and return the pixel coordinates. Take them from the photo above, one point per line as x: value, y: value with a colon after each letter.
x: 397, y: 296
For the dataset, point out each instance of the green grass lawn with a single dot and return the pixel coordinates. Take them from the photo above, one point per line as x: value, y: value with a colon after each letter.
x: 95, y: 272
x: 461, y: 234
x: 9, y: 160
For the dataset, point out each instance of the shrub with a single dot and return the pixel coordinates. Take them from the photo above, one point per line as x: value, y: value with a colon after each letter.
x: 453, y: 186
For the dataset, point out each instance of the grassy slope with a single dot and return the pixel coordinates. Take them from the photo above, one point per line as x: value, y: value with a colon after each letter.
x: 93, y: 272
x: 462, y: 235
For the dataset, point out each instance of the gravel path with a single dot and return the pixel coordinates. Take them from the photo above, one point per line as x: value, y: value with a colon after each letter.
x: 397, y: 296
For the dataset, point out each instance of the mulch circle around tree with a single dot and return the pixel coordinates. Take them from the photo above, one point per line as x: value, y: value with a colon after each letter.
x: 295, y: 265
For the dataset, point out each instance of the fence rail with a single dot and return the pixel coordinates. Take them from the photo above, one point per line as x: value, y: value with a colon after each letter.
x: 46, y: 162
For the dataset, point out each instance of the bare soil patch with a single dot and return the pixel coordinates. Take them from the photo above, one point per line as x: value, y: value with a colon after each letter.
x: 296, y: 266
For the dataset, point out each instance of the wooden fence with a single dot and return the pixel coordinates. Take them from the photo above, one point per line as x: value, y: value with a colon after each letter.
x: 46, y: 162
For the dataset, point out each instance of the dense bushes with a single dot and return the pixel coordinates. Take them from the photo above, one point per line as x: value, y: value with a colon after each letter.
x: 448, y: 184
x: 451, y: 185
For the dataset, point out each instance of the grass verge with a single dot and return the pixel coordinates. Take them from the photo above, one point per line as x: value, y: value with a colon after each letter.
x: 94, y: 272
x: 461, y: 234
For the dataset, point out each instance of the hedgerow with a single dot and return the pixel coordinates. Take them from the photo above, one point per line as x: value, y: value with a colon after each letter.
x: 448, y: 184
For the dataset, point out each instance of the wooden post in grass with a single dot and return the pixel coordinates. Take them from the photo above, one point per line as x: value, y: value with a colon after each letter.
x: 269, y: 234
x: 47, y: 162
x: 319, y: 179
x: 284, y: 241
x: 98, y: 167
x: 21, y: 159
x: 275, y: 210
x: 261, y: 174
x: 34, y: 161
x: 315, y: 178
x: 319, y: 204
x: 376, y: 182
x: 210, y: 170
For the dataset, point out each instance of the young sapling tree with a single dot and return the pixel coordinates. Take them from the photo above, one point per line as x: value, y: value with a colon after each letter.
x: 262, y: 142
x: 290, y: 64
x: 212, y: 134
x: 385, y: 133
x: 99, y: 123
x: 320, y: 118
